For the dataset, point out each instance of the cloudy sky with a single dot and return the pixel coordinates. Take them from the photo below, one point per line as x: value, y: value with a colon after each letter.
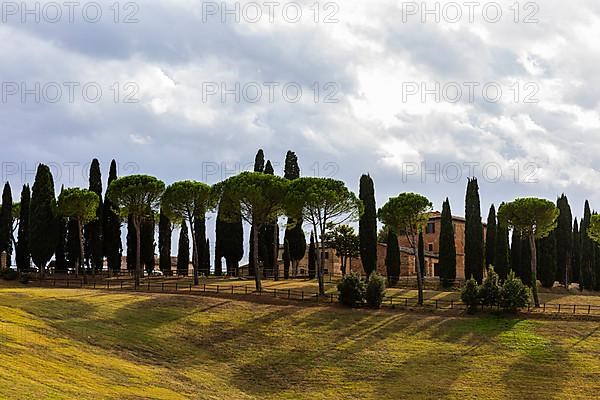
x: 419, y: 98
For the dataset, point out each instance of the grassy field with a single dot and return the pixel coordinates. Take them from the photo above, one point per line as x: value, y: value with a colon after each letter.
x: 68, y: 343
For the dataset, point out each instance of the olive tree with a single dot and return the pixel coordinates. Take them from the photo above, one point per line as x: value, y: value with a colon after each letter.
x: 407, y: 214
x: 188, y: 200
x: 79, y: 205
x: 534, y: 219
x: 324, y: 203
x: 262, y: 199
x: 137, y: 196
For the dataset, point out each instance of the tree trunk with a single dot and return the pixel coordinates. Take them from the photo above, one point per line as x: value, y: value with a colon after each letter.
x: 320, y: 264
x: 138, y: 252
x: 194, y: 253
x: 80, y: 234
x: 257, y: 266
x: 536, y: 300
x: 419, y: 274
x: 275, y: 252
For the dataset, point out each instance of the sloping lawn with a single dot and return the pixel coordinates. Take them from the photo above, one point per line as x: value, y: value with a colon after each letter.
x: 67, y: 343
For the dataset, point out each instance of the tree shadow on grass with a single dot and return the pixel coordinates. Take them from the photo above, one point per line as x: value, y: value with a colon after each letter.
x: 298, y: 365
x: 541, y: 366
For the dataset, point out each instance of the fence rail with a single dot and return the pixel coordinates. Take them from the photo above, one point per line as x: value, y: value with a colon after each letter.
x: 295, y: 294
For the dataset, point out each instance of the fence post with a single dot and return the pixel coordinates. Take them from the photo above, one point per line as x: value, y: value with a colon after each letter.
x: 303, y: 295
x: 332, y: 297
x: 231, y: 289
x: 574, y: 305
x: 190, y: 288
x: 589, y: 308
x: 544, y: 307
x: 246, y: 289
x: 406, y: 301
x: 204, y: 288
x: 436, y: 304
x: 559, y: 308
x: 108, y: 284
x: 452, y: 304
x: 289, y: 293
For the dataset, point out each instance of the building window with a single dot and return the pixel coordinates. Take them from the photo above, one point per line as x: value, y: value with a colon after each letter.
x: 326, y: 255
x: 430, y: 246
x: 430, y: 227
x: 436, y: 269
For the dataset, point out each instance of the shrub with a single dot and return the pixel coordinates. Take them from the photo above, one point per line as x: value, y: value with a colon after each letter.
x: 375, y: 290
x: 470, y: 295
x: 10, y: 274
x: 514, y: 294
x: 489, y: 291
x: 352, y: 290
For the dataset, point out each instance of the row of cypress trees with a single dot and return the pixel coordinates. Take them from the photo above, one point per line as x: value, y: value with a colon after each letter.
x: 41, y: 234
x: 566, y: 255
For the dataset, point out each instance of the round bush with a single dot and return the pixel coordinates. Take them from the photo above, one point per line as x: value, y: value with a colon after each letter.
x: 351, y: 290
x: 375, y: 290
x: 514, y: 294
x: 489, y: 292
x: 470, y: 295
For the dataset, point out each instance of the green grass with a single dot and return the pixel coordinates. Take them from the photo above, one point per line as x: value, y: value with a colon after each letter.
x: 67, y: 343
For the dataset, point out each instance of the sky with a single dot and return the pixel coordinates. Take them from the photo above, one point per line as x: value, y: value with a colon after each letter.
x: 419, y: 95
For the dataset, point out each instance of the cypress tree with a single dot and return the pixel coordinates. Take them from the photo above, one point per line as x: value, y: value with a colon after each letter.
x: 392, y: 258
x: 515, y: 252
x: 111, y: 229
x: 60, y: 254
x: 267, y: 239
x: 93, y: 230
x: 367, y: 225
x: 6, y: 224
x: 546, y: 267
x: 564, y: 240
x: 474, y: 258
x: 218, y: 252
x: 524, y: 269
x: 312, y: 258
x: 286, y: 259
x: 229, y: 235
x: 501, y: 253
x: 259, y: 166
x: 205, y: 262
x: 164, y: 244
x: 183, y: 252
x: 447, y: 246
x: 200, y: 231
x: 576, y: 257
x: 294, y: 235
x: 131, y: 244
x: 587, y: 251
x: 147, y: 244
x: 490, y: 238
x: 73, y: 249
x: 23, y: 257
x: 421, y: 245
x: 43, y: 228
